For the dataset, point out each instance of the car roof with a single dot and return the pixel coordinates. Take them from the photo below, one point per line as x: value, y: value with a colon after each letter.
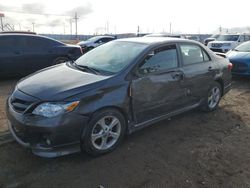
x: 29, y: 35
x: 155, y: 40
x: 18, y: 32
x: 102, y: 36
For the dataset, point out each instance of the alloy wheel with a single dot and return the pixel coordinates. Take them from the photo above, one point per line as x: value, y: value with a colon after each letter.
x: 106, y: 132
x: 214, y: 97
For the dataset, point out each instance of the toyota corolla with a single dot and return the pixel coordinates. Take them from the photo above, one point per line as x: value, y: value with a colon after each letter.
x: 122, y: 86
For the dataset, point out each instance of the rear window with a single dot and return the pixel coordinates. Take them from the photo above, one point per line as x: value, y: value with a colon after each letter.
x: 192, y: 53
x: 7, y: 42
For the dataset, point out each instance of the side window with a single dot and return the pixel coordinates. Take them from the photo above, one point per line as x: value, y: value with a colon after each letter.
x: 241, y: 38
x: 108, y: 39
x: 99, y: 41
x: 7, y: 42
x: 35, y: 43
x: 192, y: 53
x: 163, y: 58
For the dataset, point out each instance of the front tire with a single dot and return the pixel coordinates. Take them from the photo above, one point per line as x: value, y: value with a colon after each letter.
x: 104, y: 132
x: 213, y: 97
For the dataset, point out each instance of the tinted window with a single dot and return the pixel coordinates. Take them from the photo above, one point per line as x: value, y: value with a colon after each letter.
x: 33, y: 42
x: 228, y: 38
x: 192, y: 53
x: 7, y: 42
x: 107, y: 39
x: 160, y: 59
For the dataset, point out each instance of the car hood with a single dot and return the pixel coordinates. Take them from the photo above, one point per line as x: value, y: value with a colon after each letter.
x: 59, y: 82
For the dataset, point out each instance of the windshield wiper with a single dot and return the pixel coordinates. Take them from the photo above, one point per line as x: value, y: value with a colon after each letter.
x: 85, y: 67
x: 235, y: 50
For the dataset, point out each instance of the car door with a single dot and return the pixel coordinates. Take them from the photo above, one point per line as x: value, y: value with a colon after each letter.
x: 199, y: 71
x: 11, y: 55
x: 38, y: 53
x: 156, y: 91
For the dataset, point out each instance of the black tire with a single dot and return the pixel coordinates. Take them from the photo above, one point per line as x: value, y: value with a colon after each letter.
x: 59, y: 60
x: 87, y: 142
x: 209, y: 106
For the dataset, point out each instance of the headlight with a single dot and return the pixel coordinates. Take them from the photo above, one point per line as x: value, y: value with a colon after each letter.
x: 54, y: 109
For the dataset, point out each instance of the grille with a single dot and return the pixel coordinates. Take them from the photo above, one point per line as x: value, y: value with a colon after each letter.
x: 218, y: 45
x: 19, y: 105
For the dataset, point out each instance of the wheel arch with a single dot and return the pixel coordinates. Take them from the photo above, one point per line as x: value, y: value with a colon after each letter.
x: 118, y: 108
x: 221, y: 82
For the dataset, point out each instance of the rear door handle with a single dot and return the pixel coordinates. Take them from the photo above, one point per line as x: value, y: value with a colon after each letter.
x: 178, y: 76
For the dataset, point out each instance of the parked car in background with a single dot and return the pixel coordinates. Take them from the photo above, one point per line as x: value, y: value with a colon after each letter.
x: 93, y: 42
x: 195, y: 38
x: 210, y: 39
x: 240, y: 58
x: 22, y: 54
x: 224, y: 43
x: 115, y: 89
x: 163, y: 35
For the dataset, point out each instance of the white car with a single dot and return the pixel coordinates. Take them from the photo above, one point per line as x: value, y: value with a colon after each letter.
x: 93, y: 42
x: 225, y: 43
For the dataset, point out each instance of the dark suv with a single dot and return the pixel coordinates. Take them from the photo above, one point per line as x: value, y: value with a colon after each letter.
x: 117, y: 88
x: 21, y: 54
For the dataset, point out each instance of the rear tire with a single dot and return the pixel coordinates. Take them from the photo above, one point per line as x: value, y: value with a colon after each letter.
x: 104, y: 132
x: 213, y: 97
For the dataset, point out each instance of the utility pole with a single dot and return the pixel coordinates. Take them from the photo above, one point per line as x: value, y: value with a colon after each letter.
x: 64, y: 28
x: 1, y: 19
x: 138, y: 31
x: 170, y: 28
x: 33, y: 26
x: 76, y: 18
x: 107, y: 27
x: 70, y: 22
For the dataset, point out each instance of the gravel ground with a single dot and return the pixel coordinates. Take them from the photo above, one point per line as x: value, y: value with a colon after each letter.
x: 195, y: 149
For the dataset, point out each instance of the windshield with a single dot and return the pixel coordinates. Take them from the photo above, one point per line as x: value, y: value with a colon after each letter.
x: 245, y: 47
x: 93, y: 39
x: 228, y: 38
x: 111, y: 57
x: 215, y: 36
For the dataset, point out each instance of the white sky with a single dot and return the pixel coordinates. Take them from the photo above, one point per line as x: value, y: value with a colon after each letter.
x: 190, y: 16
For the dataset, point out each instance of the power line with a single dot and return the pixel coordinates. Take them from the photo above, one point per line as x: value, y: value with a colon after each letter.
x: 33, y: 13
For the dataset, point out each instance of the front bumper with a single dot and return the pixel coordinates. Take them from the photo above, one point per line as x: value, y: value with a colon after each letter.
x: 47, y: 137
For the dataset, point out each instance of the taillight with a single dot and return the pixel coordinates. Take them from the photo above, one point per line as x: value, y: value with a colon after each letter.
x: 230, y: 66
